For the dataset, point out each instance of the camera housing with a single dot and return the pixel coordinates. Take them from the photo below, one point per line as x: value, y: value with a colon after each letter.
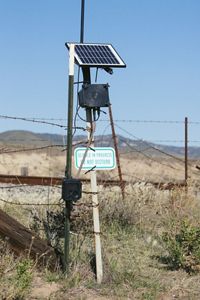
x: 71, y: 189
x: 94, y: 96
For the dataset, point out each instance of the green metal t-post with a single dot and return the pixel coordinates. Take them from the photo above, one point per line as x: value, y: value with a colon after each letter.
x: 68, y: 170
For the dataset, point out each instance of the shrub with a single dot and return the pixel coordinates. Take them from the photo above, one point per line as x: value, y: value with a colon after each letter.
x: 24, y: 274
x: 183, y: 246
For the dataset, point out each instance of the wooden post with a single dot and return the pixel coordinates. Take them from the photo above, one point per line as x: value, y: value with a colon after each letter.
x: 95, y: 203
x: 23, y: 241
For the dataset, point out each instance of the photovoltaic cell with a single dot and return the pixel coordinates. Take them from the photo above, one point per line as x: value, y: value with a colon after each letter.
x: 97, y: 55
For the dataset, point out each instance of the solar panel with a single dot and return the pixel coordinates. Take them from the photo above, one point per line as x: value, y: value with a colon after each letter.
x: 97, y: 55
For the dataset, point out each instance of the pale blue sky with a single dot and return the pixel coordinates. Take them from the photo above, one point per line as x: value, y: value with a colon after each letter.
x: 158, y: 39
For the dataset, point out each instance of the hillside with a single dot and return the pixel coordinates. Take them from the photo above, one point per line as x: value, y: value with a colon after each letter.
x: 20, y: 137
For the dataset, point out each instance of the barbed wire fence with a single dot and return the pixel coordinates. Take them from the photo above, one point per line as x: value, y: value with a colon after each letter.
x: 49, y: 197
x: 145, y: 146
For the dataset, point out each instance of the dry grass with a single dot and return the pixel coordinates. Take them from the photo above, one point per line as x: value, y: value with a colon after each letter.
x: 52, y: 162
x: 131, y: 239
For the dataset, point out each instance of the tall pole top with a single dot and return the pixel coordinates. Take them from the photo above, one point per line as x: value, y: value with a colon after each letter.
x: 82, y: 21
x: 85, y: 70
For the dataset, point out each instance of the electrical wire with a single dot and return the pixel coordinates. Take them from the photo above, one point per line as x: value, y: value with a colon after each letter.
x: 82, y: 119
x: 76, y: 114
x: 90, y: 139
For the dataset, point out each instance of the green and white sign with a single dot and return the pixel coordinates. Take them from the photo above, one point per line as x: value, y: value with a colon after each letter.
x: 102, y: 158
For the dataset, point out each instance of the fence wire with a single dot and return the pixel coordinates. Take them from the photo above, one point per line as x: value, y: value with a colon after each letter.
x: 145, y: 151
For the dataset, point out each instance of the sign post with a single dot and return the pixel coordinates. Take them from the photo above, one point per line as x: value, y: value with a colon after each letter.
x: 95, y: 203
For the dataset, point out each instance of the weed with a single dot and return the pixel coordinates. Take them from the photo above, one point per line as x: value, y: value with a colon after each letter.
x: 183, y: 246
x: 53, y: 276
x: 15, y: 275
x: 24, y: 274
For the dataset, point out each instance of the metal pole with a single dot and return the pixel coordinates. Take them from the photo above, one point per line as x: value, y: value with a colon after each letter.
x: 85, y: 69
x: 186, y: 150
x: 68, y: 169
x: 82, y: 21
x: 116, y: 151
x: 95, y: 203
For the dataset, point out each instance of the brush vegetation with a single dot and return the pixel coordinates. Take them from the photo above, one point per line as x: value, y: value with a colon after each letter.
x: 150, y: 242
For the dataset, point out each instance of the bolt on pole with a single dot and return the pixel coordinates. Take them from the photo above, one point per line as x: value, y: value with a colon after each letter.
x: 68, y: 170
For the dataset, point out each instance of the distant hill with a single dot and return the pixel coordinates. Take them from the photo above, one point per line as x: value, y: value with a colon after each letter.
x: 22, y: 137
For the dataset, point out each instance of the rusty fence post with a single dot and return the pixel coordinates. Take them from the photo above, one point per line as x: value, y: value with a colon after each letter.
x: 122, y: 184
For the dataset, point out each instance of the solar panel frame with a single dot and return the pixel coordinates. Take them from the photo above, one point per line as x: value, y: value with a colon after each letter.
x: 97, y: 55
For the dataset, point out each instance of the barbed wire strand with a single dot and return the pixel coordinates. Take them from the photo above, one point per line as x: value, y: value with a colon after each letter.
x: 147, y: 156
x: 43, y: 120
x: 150, y: 145
x: 28, y: 204
x: 41, y: 148
x: 152, y: 121
x: 24, y: 186
x: 34, y: 120
x: 30, y: 149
